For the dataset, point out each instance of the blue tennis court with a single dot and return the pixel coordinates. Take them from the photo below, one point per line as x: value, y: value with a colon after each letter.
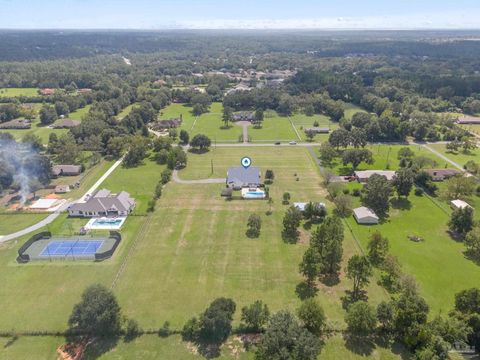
x: 71, y: 248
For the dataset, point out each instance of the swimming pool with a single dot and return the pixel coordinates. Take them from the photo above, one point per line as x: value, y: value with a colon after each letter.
x: 105, y: 223
x: 253, y: 194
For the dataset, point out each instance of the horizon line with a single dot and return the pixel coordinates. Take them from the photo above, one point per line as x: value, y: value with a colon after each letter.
x: 246, y: 29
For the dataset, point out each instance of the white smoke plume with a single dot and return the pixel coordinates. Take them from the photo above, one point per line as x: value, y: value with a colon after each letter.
x: 21, y: 163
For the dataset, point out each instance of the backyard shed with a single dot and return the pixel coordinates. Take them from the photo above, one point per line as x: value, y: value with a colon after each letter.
x: 365, y: 216
x: 459, y: 204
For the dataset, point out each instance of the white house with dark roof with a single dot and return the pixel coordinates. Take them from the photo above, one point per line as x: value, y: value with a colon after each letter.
x: 104, y: 203
x: 239, y: 177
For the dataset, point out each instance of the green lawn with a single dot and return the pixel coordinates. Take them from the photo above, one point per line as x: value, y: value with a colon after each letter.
x: 195, y: 248
x: 211, y: 124
x: 438, y: 263
x: 15, y: 92
x: 38, y: 129
x: 11, y: 222
x: 274, y: 128
x: 352, y: 109
x: 174, y: 110
x: 459, y: 157
x: 44, y: 293
x: 386, y: 158
x: 302, y: 122
x: 79, y: 113
x: 126, y: 111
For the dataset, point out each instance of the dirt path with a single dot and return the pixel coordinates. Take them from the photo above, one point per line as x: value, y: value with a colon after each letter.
x: 244, y: 125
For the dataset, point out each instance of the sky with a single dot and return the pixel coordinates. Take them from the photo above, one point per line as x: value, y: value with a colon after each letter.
x: 240, y: 14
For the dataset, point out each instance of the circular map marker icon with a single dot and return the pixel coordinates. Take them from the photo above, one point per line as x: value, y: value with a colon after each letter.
x: 246, y: 162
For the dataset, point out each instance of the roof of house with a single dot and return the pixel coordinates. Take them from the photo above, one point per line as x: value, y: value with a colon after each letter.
x: 460, y: 204
x: 66, y: 123
x: 241, y: 176
x: 167, y: 123
x: 367, y: 173
x: 245, y: 115
x: 104, y: 200
x: 301, y: 205
x: 318, y: 129
x: 442, y: 172
x: 364, y: 212
x: 16, y: 124
x: 468, y: 119
x: 62, y: 188
x: 71, y: 169
x: 47, y: 91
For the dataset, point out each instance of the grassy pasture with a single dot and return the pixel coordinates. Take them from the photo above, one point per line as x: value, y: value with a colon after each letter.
x: 459, y: 157
x: 126, y: 111
x: 386, y: 158
x: 174, y: 110
x: 438, y: 263
x: 79, y: 113
x: 352, y: 109
x: 195, y: 248
x: 17, y: 92
x: 44, y: 293
x: 211, y: 124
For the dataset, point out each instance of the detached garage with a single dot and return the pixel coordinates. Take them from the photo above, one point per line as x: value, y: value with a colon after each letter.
x: 365, y: 216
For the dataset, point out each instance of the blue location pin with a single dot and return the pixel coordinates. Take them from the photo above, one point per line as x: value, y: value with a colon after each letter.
x: 246, y: 162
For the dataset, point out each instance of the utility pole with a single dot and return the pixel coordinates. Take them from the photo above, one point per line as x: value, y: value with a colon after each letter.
x: 211, y: 163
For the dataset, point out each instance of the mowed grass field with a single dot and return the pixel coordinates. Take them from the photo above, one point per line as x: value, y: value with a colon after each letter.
x: 195, y: 248
x: 16, y: 92
x: 438, y: 263
x: 13, y: 221
x: 386, y: 158
x: 459, y: 157
x: 174, y: 110
x: 79, y: 113
x: 41, y: 295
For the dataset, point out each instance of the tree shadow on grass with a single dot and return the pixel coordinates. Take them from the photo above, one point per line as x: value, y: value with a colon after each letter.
x: 209, y: 350
x: 330, y: 280
x: 362, y: 346
x: 99, y: 347
x: 305, y: 290
x: 401, y: 203
x: 348, y: 299
x: 198, y: 151
x: 472, y: 257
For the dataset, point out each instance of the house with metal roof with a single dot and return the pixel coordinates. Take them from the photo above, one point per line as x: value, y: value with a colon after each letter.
x: 104, y: 203
x: 459, y: 204
x: 239, y: 177
x: 363, y: 176
x: 66, y: 170
x: 441, y: 174
x: 365, y: 216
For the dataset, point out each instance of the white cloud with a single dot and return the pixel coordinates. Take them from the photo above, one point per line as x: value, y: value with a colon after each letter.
x: 415, y: 21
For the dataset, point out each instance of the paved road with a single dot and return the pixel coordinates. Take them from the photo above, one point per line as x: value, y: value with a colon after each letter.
x: 50, y: 218
x: 176, y: 179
